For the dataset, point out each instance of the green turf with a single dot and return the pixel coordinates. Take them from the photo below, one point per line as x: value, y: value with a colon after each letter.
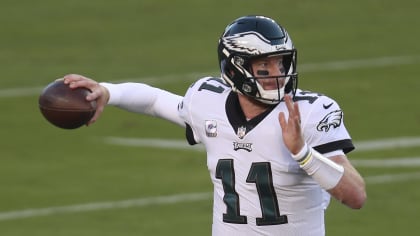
x: 169, y: 43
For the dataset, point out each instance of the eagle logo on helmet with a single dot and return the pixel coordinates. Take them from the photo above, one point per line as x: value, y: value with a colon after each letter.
x: 333, y: 119
x: 251, y: 43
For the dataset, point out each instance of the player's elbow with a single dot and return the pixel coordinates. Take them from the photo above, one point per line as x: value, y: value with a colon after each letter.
x: 353, y: 196
x: 357, y: 199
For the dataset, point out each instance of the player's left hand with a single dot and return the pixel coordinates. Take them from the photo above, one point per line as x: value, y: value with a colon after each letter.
x: 291, y: 129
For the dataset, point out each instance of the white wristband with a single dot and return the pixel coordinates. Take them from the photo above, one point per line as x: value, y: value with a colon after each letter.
x: 323, y: 170
x: 302, y: 154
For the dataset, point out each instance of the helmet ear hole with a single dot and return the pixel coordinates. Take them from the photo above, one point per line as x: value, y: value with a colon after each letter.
x: 249, y: 88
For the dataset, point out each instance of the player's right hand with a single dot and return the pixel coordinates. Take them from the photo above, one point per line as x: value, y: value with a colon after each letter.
x: 98, y: 92
x: 291, y: 126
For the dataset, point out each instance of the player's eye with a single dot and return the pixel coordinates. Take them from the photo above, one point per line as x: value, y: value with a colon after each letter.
x: 262, y: 65
x: 282, y: 70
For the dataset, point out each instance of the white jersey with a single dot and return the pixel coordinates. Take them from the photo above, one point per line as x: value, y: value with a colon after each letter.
x: 258, y: 188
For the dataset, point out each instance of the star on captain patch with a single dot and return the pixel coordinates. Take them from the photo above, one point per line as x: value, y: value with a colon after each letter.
x: 211, y: 128
x: 241, y: 132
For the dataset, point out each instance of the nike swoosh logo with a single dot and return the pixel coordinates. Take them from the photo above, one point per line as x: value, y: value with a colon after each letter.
x: 327, y: 106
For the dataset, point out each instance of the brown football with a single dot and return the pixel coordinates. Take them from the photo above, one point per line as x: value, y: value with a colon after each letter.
x: 65, y: 107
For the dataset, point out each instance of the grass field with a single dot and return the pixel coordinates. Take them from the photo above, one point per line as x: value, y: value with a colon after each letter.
x: 55, y: 182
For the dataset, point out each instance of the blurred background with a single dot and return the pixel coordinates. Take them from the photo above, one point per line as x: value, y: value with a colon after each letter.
x: 130, y: 174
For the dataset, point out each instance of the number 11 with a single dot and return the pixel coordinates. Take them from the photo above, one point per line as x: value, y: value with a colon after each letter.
x: 260, y: 174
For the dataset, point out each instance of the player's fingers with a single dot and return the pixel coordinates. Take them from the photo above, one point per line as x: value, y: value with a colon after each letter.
x: 98, y: 92
x: 297, y: 113
x: 95, y: 117
x: 282, y: 120
x: 101, y: 95
x: 98, y: 112
x: 94, y: 94
x: 293, y: 108
x: 289, y: 105
x: 77, y: 81
x: 73, y: 78
x: 290, y: 108
x: 85, y: 83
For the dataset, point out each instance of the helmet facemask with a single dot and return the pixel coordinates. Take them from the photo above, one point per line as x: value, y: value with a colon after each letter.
x: 238, y: 73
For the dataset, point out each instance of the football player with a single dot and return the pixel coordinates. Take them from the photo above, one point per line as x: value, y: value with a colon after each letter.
x: 275, y: 153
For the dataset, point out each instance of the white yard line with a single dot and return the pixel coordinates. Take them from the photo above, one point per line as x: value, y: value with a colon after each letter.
x: 190, y: 197
x: 371, y: 145
x: 407, y: 162
x: 95, y: 206
x: 321, y: 66
x: 392, y: 178
x: 157, y: 143
x: 162, y: 200
x: 360, y: 63
x: 391, y: 143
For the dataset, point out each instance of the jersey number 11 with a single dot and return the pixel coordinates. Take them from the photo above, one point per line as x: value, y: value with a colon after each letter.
x: 259, y: 174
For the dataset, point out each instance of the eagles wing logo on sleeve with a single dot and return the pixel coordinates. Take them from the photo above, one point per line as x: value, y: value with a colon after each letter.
x: 333, y: 119
x: 249, y: 42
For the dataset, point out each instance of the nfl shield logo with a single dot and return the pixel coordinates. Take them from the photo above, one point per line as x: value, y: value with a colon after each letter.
x: 241, y: 132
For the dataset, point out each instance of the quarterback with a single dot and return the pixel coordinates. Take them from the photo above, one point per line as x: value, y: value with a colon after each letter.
x: 275, y: 153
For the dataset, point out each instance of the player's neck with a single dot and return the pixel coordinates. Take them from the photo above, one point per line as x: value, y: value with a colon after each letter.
x: 250, y: 107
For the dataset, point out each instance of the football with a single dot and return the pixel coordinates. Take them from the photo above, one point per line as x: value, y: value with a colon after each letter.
x: 65, y: 107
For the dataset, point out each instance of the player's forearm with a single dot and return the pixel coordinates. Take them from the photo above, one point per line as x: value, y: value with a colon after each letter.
x: 142, y: 98
x: 351, y: 188
x: 336, y: 175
